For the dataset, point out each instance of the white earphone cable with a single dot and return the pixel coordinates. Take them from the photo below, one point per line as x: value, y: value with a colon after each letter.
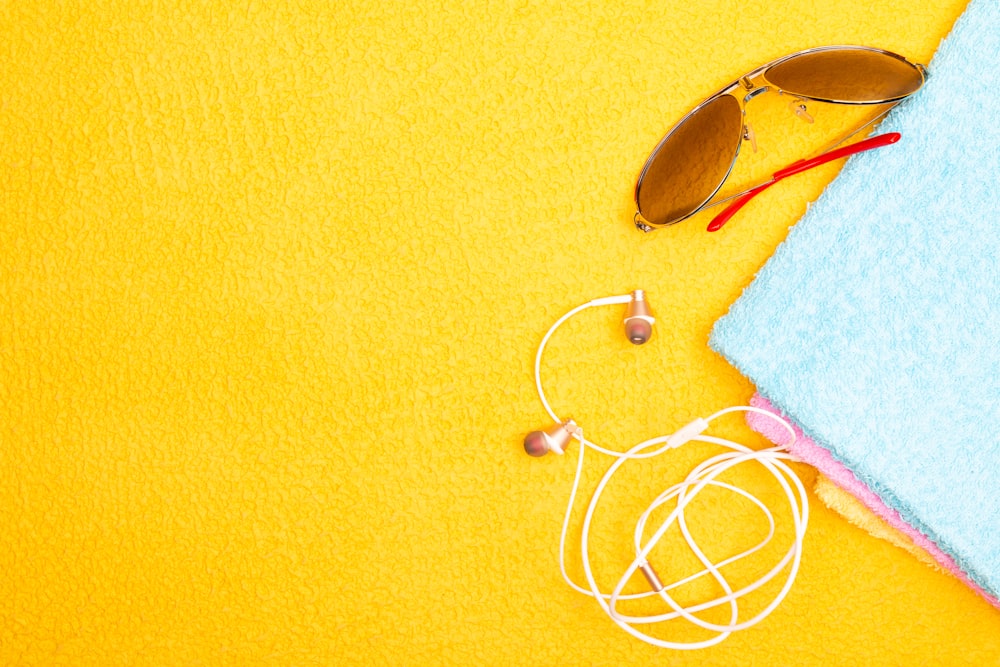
x: 682, y: 494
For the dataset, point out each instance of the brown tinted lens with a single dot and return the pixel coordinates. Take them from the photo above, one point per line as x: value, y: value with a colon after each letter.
x: 691, y: 162
x: 847, y: 75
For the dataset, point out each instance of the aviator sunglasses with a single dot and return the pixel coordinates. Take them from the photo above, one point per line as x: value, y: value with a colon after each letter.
x: 690, y: 164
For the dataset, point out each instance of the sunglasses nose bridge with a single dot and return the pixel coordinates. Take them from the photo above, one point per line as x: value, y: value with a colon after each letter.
x: 753, y: 84
x: 750, y: 94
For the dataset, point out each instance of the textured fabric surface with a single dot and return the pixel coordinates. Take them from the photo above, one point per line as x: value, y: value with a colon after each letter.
x: 891, y: 360
x: 856, y: 501
x: 852, y: 509
x: 273, y: 278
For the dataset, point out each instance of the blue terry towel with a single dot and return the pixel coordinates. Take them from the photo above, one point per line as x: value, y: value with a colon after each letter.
x: 876, y: 324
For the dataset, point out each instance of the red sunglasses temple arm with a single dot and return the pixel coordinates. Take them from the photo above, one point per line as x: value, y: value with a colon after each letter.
x: 796, y: 167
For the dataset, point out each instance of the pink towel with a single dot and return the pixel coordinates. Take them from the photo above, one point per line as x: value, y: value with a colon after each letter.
x: 809, y: 452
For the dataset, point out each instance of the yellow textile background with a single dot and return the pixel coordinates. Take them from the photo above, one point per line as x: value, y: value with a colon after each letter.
x: 273, y: 276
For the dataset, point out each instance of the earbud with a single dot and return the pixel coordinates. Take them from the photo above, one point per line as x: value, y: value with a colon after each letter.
x: 540, y: 443
x: 638, y: 319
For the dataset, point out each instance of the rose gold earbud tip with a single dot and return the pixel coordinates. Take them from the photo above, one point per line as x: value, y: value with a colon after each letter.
x: 638, y: 330
x: 536, y: 444
x: 638, y: 319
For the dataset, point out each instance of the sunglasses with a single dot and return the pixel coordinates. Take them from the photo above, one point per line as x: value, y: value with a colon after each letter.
x: 694, y: 159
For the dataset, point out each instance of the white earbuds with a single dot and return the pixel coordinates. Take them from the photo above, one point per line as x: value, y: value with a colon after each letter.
x: 638, y: 327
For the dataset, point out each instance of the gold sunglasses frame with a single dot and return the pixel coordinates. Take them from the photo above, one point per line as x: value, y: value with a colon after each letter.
x: 749, y: 86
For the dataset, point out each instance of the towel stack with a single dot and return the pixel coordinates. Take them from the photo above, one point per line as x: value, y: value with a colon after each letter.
x: 875, y: 326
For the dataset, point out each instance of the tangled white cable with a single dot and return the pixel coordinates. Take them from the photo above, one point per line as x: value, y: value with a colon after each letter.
x: 682, y: 494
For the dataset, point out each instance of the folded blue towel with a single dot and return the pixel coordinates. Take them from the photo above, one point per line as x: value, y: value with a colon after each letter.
x: 876, y: 324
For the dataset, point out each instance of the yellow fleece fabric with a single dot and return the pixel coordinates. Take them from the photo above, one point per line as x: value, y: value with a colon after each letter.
x: 852, y: 509
x: 273, y: 276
